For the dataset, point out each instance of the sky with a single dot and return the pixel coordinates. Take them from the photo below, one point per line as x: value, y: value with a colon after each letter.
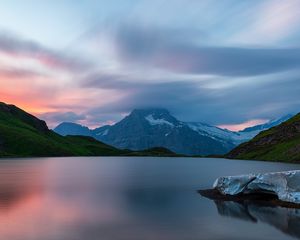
x: 228, y: 63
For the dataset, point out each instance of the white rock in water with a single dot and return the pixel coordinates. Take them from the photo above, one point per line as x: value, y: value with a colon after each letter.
x: 233, y: 185
x: 286, y: 185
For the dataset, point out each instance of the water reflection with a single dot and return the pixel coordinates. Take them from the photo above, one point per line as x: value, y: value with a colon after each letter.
x: 286, y: 220
x: 18, y: 182
x: 35, y: 203
x: 71, y: 200
x: 119, y: 199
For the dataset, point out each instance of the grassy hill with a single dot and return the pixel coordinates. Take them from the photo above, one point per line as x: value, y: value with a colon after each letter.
x: 24, y: 135
x: 281, y: 143
x: 156, y: 151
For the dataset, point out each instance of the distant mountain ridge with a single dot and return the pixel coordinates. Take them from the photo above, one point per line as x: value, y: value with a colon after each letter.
x: 24, y: 135
x: 147, y: 128
x: 66, y: 127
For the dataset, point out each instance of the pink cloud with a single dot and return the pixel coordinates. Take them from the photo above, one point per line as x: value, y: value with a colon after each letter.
x: 273, y: 21
x: 19, y: 48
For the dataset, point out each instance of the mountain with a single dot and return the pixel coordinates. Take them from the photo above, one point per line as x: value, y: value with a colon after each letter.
x: 280, y: 143
x: 148, y: 128
x: 24, y: 135
x: 66, y: 127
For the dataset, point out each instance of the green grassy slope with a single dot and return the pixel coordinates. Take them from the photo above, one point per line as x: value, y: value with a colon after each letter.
x: 156, y: 151
x: 281, y: 143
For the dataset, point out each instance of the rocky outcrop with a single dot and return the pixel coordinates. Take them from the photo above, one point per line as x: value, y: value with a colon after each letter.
x: 284, y: 185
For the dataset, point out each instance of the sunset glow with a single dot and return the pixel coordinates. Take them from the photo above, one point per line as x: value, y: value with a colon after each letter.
x: 241, y: 126
x: 202, y: 67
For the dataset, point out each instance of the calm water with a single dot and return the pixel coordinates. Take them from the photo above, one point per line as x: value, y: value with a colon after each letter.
x: 132, y: 199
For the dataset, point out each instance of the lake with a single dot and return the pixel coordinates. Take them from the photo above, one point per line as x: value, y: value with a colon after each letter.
x: 112, y: 198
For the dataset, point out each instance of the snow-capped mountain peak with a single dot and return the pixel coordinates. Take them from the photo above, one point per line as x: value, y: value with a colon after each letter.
x: 146, y: 128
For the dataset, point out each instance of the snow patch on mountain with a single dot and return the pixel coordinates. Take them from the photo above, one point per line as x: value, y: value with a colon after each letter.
x: 212, y: 131
x: 203, y: 128
x: 105, y: 132
x: 159, y: 121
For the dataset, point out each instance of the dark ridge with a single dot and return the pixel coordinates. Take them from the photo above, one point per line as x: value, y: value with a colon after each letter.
x: 18, y: 113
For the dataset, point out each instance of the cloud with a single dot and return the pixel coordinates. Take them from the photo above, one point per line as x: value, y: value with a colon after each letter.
x: 109, y: 81
x: 18, y: 73
x: 169, y: 50
x: 15, y: 46
x: 272, y: 21
x: 54, y: 118
x: 186, y: 99
x: 167, y: 62
x: 197, y: 101
x: 31, y: 90
x: 241, y: 92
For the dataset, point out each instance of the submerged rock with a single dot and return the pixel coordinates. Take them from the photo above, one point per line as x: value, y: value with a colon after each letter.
x: 285, y: 185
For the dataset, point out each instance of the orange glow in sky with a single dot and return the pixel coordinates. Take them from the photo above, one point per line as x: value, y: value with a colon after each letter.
x: 241, y: 126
